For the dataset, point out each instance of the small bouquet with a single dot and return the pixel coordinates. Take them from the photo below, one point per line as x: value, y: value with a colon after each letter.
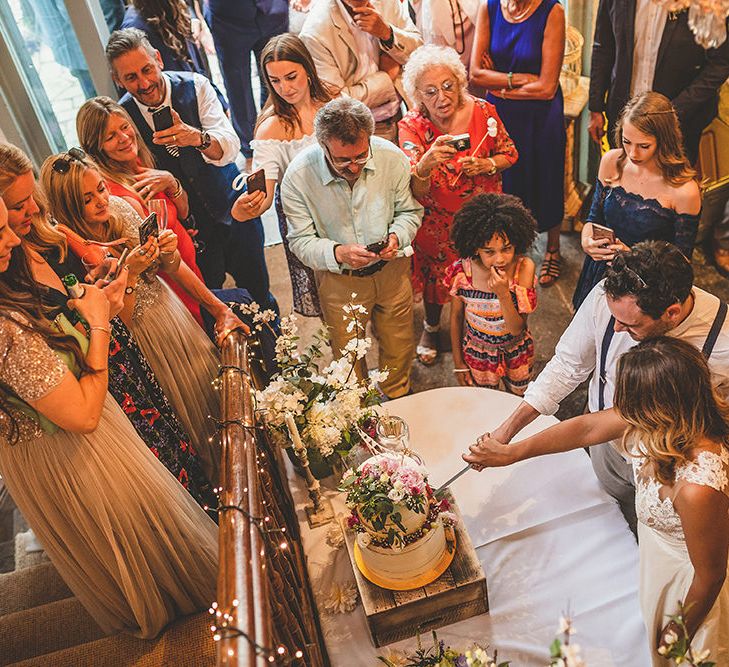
x: 328, y: 406
x: 440, y: 655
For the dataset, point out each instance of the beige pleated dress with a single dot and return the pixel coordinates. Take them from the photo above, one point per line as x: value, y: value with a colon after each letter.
x: 126, y: 537
x: 181, y: 355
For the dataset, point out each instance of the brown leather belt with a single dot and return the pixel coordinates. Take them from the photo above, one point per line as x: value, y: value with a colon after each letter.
x: 366, y: 271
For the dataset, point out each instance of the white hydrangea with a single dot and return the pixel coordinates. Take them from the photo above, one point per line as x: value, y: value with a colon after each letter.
x: 278, y: 398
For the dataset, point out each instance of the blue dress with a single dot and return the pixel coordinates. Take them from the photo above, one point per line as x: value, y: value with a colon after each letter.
x: 535, y: 126
x: 633, y: 219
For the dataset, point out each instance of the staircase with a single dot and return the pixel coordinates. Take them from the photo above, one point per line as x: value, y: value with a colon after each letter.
x: 43, y: 625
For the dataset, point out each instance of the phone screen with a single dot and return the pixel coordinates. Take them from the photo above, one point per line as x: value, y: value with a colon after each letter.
x: 162, y: 119
x: 148, y: 228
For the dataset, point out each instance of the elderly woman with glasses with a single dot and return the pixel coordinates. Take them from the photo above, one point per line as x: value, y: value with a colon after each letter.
x: 458, y: 148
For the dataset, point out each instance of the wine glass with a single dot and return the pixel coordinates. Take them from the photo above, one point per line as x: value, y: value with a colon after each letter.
x: 159, y: 206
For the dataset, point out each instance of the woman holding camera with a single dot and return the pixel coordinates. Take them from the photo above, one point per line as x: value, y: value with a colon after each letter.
x: 180, y: 354
x: 646, y: 190
x: 284, y: 128
x: 458, y: 148
x: 130, y: 543
x: 37, y: 267
x: 109, y: 136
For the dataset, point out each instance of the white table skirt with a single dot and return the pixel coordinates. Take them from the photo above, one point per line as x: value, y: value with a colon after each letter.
x: 549, y: 539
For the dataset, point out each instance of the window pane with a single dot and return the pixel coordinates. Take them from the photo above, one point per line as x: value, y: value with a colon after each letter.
x: 50, y: 60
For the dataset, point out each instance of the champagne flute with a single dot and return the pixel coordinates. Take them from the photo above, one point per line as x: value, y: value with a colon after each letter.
x: 159, y: 206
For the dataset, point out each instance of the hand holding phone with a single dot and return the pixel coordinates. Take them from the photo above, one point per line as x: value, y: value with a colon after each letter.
x: 378, y: 246
x: 162, y: 118
x: 256, y: 182
x: 599, y: 232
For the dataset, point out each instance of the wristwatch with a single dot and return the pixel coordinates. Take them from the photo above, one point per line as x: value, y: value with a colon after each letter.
x: 129, y: 289
x: 205, y: 140
x: 493, y: 169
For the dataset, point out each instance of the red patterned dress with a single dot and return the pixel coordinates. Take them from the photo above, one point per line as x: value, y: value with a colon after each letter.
x: 489, y: 350
x: 433, y: 250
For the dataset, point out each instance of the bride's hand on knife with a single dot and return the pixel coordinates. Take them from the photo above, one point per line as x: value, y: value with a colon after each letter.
x: 489, y: 453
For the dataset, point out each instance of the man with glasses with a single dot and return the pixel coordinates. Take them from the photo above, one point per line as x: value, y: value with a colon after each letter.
x: 647, y: 292
x: 350, y: 213
x: 359, y: 47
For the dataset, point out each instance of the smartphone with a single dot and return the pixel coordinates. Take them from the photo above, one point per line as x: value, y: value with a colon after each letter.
x: 162, y: 118
x: 461, y: 142
x: 256, y: 182
x: 599, y: 232
x: 378, y: 246
x: 113, y: 275
x: 148, y: 228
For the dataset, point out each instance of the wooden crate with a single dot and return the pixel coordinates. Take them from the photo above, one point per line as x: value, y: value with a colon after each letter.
x: 459, y: 593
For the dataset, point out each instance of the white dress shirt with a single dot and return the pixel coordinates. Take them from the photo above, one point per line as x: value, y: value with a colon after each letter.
x: 578, y: 352
x: 212, y: 118
x: 650, y: 20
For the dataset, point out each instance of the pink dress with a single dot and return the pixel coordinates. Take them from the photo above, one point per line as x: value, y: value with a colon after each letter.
x: 489, y: 350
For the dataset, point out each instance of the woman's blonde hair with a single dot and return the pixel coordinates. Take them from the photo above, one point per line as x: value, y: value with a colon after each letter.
x: 425, y: 58
x: 653, y: 114
x: 65, y: 193
x: 92, y: 121
x: 664, y: 393
x: 42, y: 236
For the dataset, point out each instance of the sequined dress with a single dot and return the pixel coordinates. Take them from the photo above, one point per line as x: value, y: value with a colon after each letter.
x: 665, y: 567
x: 129, y: 541
x: 180, y: 354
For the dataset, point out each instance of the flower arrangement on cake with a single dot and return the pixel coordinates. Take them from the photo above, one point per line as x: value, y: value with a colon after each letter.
x: 384, y: 493
x: 328, y: 405
x: 405, y: 536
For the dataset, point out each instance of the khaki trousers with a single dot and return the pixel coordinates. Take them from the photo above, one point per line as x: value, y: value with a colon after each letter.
x: 388, y: 297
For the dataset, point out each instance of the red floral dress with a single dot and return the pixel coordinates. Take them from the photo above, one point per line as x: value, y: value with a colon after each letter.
x: 433, y: 250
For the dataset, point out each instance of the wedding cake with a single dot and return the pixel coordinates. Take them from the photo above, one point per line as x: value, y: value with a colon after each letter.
x: 404, y: 535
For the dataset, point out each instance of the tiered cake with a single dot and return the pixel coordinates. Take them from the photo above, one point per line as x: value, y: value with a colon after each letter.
x: 401, y: 537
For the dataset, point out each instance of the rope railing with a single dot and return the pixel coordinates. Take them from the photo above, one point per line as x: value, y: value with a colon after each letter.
x: 265, y: 612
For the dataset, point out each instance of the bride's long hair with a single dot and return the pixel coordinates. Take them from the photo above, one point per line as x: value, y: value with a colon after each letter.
x: 664, y: 392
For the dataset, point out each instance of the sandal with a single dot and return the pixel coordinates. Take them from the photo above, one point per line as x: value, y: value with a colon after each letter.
x: 427, y: 349
x: 550, y: 271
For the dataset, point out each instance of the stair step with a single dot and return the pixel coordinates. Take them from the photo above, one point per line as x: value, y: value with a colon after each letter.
x: 187, y: 642
x: 49, y: 627
x: 31, y: 587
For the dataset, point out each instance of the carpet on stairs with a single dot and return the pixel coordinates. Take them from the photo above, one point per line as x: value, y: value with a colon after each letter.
x: 187, y: 642
x: 31, y: 587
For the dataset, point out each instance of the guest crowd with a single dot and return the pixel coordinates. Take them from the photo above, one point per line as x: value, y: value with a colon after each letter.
x: 408, y: 152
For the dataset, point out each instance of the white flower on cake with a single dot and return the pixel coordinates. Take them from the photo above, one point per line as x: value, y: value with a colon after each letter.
x: 342, y: 598
x: 363, y: 539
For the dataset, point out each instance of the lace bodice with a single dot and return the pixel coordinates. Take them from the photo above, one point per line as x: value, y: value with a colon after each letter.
x: 709, y: 469
x: 149, y: 286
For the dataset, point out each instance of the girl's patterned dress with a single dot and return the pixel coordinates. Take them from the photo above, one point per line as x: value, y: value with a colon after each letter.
x: 489, y: 350
x: 449, y: 190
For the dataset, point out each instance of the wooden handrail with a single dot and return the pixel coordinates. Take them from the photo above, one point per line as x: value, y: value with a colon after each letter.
x: 263, y: 581
x: 241, y: 577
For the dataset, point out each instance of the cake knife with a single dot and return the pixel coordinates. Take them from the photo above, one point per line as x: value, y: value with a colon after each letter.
x: 452, y: 479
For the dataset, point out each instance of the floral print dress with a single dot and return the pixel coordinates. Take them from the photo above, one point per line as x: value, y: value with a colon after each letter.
x: 449, y: 190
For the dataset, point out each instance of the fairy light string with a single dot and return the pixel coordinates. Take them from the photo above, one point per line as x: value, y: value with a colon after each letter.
x: 224, y: 626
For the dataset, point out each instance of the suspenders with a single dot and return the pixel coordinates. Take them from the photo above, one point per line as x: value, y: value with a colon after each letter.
x: 706, y: 350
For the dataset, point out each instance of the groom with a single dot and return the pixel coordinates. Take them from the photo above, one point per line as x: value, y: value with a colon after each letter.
x: 647, y: 292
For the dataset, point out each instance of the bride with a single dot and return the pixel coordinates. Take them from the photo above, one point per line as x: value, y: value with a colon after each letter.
x: 675, y: 429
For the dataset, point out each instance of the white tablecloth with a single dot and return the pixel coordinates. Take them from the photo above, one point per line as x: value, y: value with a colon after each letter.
x: 549, y: 539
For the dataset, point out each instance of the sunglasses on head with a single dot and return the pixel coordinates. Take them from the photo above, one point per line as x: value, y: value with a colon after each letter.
x: 62, y: 164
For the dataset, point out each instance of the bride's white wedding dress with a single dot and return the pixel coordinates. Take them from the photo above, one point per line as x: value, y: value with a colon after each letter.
x: 665, y: 567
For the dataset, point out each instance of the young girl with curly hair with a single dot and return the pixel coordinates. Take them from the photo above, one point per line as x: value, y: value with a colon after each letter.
x: 494, y: 291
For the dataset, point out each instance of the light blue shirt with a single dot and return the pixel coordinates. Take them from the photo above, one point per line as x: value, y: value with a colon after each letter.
x: 323, y: 211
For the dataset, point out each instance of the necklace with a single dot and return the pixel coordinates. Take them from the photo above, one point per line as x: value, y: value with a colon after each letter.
x: 512, y: 7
